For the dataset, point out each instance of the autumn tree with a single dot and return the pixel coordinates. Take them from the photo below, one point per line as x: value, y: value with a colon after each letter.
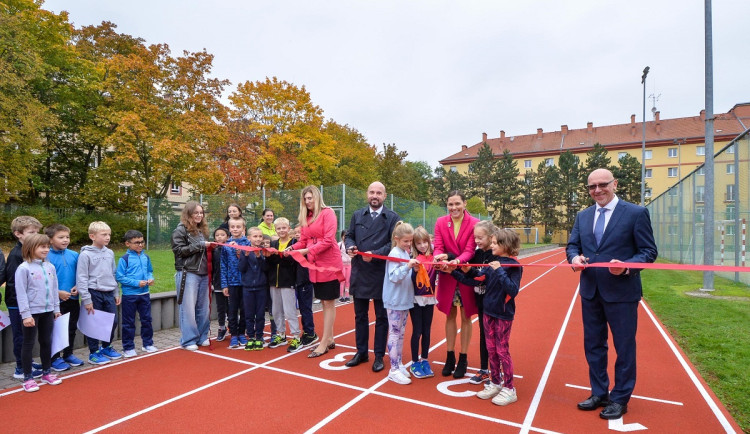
x: 356, y: 163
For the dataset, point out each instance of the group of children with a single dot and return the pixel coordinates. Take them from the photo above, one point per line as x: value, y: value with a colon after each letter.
x: 44, y: 280
x: 408, y: 290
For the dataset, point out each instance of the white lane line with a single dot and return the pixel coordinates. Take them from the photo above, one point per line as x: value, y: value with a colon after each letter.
x: 545, y: 376
x: 646, y: 398
x: 702, y: 390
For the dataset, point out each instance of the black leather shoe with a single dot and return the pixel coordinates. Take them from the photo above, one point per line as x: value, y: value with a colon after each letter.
x: 593, y: 402
x: 357, y: 359
x: 378, y: 365
x: 613, y: 411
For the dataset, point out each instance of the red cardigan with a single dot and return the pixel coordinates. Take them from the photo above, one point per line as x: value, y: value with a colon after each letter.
x: 463, y: 247
x: 319, y: 237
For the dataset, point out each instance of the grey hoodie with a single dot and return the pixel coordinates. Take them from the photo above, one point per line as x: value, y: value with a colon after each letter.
x: 36, y: 288
x: 96, y: 270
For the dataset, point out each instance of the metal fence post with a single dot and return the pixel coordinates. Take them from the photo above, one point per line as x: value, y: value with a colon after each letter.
x: 148, y: 220
x: 264, y: 197
x: 424, y: 214
x: 343, y: 205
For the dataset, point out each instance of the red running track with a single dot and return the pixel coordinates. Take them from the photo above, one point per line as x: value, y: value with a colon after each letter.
x: 273, y: 391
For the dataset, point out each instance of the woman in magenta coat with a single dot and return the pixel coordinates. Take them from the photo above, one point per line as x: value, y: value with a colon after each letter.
x: 454, y: 242
x: 318, y: 241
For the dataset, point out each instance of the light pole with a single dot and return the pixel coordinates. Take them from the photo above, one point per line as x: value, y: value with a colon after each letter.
x: 643, y: 143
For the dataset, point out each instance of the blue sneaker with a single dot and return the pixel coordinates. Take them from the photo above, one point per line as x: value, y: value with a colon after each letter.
x: 416, y: 369
x: 72, y: 360
x: 98, y: 358
x: 36, y: 366
x: 59, y: 365
x: 242, y: 339
x: 18, y: 374
x: 110, y: 353
x: 234, y: 342
x: 426, y: 369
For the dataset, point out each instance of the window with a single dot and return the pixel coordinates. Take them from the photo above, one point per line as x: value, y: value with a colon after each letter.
x: 126, y: 189
x: 701, y: 171
x: 672, y: 172
x: 94, y: 162
x: 729, y: 229
x: 729, y: 214
x: 699, y: 229
x: 700, y: 150
x: 649, y: 173
x: 174, y: 188
x: 527, y: 164
x: 673, y: 209
x: 730, y: 193
x: 730, y: 150
x: 549, y: 162
x: 699, y: 213
x: 648, y: 154
x: 672, y: 191
x: 672, y: 152
x: 672, y: 229
x: 647, y: 193
x: 730, y: 169
x: 700, y: 193
x: 453, y: 169
x: 621, y: 155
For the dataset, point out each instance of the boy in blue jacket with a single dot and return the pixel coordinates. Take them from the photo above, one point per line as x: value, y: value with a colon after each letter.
x: 231, y: 281
x: 135, y: 273
x: 65, y: 262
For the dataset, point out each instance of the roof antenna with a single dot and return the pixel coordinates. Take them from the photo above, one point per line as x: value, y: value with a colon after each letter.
x: 654, y: 99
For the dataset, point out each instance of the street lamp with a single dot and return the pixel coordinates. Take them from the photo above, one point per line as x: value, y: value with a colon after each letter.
x: 643, y: 143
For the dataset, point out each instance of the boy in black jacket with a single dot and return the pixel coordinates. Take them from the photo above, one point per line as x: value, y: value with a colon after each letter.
x: 282, y: 273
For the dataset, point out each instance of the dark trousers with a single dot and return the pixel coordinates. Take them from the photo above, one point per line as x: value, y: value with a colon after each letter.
x: 130, y: 305
x: 304, y: 303
x: 43, y: 324
x: 236, y: 304
x: 255, y: 311
x: 483, y: 355
x: 72, y: 307
x: 362, y: 325
x: 623, y: 322
x: 269, y: 309
x: 16, y: 326
x: 421, y: 324
x: 104, y: 301
x: 222, y: 307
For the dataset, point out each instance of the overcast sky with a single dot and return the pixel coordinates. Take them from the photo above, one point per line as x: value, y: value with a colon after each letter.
x: 433, y: 75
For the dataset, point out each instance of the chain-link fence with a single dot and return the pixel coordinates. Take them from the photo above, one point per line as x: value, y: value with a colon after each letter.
x: 164, y: 215
x: 678, y: 214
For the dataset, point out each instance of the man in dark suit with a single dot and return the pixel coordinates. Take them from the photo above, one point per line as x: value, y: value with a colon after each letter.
x: 370, y: 231
x: 613, y: 231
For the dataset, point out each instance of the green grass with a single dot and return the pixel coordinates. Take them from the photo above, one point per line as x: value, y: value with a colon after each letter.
x: 714, y: 333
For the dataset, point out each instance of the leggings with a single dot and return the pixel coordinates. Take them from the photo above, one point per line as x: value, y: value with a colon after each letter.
x: 421, y: 323
x: 483, y: 356
x: 43, y: 323
x: 498, y: 337
x: 396, y: 330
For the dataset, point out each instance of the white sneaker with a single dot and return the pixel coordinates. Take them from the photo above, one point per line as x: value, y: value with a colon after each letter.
x: 192, y: 347
x: 398, y: 377
x: 490, y: 390
x: 404, y: 370
x: 150, y: 349
x: 206, y: 343
x: 129, y: 353
x: 505, y: 397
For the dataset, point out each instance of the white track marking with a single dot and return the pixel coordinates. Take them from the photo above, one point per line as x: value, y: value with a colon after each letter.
x: 702, y: 390
x: 645, y: 398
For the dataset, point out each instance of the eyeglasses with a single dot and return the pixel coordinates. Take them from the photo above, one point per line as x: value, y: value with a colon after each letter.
x: 138, y: 243
x: 601, y: 185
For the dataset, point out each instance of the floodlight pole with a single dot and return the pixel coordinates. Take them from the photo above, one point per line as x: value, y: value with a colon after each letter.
x: 643, y: 143
x: 708, y: 227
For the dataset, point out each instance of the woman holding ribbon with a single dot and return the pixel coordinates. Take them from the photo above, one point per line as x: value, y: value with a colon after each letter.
x: 318, y: 242
x: 454, y: 243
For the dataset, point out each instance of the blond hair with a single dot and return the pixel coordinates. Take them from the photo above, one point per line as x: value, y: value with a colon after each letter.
x: 509, y: 241
x: 401, y: 230
x: 23, y: 222
x: 487, y: 226
x: 254, y: 229
x: 317, y: 201
x: 30, y: 244
x: 96, y: 227
x: 236, y: 219
x: 281, y: 221
x: 187, y: 219
x: 421, y: 234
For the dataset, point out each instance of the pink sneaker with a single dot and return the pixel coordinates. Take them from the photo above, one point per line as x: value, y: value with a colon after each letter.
x: 51, y: 379
x: 30, y: 385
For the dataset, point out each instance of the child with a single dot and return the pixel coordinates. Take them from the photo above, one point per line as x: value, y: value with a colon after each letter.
x: 282, y: 272
x: 65, y: 262
x: 135, y: 273
x: 98, y: 288
x: 222, y: 301
x: 269, y: 300
x: 303, y: 288
x: 22, y: 226
x: 253, y: 268
x: 424, y: 306
x: 347, y: 269
x: 502, y: 286
x: 38, y: 305
x: 231, y: 281
x: 398, y: 298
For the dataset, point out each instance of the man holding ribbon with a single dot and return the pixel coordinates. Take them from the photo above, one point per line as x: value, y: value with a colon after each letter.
x: 370, y: 231
x: 613, y: 231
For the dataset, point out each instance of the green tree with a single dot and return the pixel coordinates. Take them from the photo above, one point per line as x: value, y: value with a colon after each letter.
x: 505, y: 193
x: 422, y: 174
x: 546, y: 196
x: 357, y: 159
x: 628, y: 175
x: 570, y: 188
x: 444, y: 182
x: 527, y: 204
x: 475, y: 206
x: 393, y: 173
x: 596, y: 158
x: 481, y: 174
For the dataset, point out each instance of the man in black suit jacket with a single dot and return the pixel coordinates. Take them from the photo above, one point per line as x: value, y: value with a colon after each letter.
x: 613, y: 231
x: 370, y: 231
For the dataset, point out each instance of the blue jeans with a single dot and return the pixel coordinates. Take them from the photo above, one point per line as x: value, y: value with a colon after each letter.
x: 194, y: 310
x: 255, y: 311
x: 142, y: 304
x: 304, y: 301
x: 104, y: 301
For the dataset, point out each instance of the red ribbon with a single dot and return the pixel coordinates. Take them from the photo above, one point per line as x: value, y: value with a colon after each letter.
x: 295, y: 254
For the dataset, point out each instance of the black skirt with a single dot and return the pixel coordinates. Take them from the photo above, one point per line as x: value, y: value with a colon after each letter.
x: 327, y: 290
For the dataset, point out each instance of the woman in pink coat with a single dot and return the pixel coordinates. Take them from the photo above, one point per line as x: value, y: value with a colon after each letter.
x: 454, y: 240
x: 318, y: 241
